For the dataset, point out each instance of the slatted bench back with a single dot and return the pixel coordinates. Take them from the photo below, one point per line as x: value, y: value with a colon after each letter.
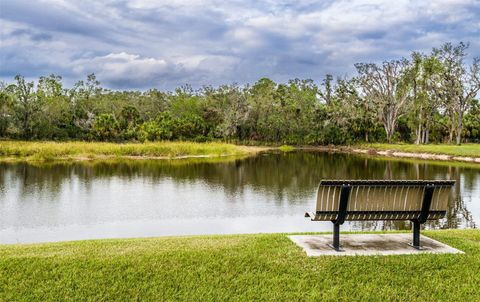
x: 382, y: 200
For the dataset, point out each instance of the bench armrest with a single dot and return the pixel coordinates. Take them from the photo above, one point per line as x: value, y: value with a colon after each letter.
x: 310, y: 215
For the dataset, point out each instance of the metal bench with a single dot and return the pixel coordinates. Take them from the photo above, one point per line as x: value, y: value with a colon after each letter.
x: 414, y: 200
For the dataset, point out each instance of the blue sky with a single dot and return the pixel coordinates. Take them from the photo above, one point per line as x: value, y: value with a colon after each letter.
x: 143, y: 44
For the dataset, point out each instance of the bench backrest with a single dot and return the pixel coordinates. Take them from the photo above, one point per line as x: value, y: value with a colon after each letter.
x: 382, y: 199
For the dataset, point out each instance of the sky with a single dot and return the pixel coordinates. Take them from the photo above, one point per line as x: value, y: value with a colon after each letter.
x: 142, y: 44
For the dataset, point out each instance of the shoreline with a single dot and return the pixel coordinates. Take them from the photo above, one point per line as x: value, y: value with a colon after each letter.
x: 102, y: 157
x: 26, y: 151
x: 420, y: 155
x: 117, y: 157
x: 393, y: 153
x: 4, y: 245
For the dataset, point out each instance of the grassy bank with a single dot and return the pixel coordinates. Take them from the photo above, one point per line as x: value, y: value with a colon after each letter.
x: 235, y: 268
x: 21, y: 150
x: 46, y: 151
x: 465, y: 150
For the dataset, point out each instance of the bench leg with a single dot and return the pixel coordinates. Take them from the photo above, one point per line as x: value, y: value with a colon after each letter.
x: 336, y: 238
x: 416, y: 235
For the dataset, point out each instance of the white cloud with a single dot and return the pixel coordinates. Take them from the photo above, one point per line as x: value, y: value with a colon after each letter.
x: 123, y: 68
x: 246, y: 37
x: 133, y: 70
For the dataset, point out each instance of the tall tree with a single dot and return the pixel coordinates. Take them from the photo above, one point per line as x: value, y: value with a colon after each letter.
x: 326, y: 93
x: 27, y: 105
x: 6, y: 108
x: 386, y: 87
x: 261, y: 98
x: 423, y: 77
x: 472, y: 122
x: 234, y: 112
x: 83, y: 96
x: 460, y: 84
x: 354, y: 109
x: 55, y: 119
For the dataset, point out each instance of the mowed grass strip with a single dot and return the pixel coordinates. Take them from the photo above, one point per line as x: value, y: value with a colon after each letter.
x: 91, y: 150
x: 467, y: 150
x: 267, y: 267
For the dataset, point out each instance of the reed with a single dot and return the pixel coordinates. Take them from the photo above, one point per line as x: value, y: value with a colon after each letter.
x: 45, y: 151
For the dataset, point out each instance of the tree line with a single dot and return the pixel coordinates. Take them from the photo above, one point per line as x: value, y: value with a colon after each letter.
x: 421, y: 99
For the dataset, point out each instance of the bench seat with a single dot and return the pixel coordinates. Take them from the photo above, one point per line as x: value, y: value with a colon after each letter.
x: 374, y: 215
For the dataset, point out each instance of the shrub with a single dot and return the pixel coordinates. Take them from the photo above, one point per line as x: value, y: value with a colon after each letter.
x: 105, y: 127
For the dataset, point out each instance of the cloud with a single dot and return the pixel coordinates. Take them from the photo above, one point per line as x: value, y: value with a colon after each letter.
x: 124, y: 70
x: 119, y: 69
x: 145, y: 43
x: 32, y: 35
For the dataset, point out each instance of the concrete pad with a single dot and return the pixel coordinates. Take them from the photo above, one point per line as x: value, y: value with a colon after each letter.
x: 369, y: 245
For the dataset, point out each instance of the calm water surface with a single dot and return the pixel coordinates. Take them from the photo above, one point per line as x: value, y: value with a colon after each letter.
x: 266, y: 193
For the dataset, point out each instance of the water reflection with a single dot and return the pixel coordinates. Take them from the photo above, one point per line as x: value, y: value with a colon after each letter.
x: 265, y: 193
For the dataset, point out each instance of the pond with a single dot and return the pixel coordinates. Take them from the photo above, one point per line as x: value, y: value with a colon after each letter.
x: 143, y: 198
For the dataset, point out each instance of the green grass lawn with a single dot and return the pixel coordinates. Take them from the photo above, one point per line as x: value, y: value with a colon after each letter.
x: 469, y: 150
x: 24, y: 150
x: 234, y: 268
